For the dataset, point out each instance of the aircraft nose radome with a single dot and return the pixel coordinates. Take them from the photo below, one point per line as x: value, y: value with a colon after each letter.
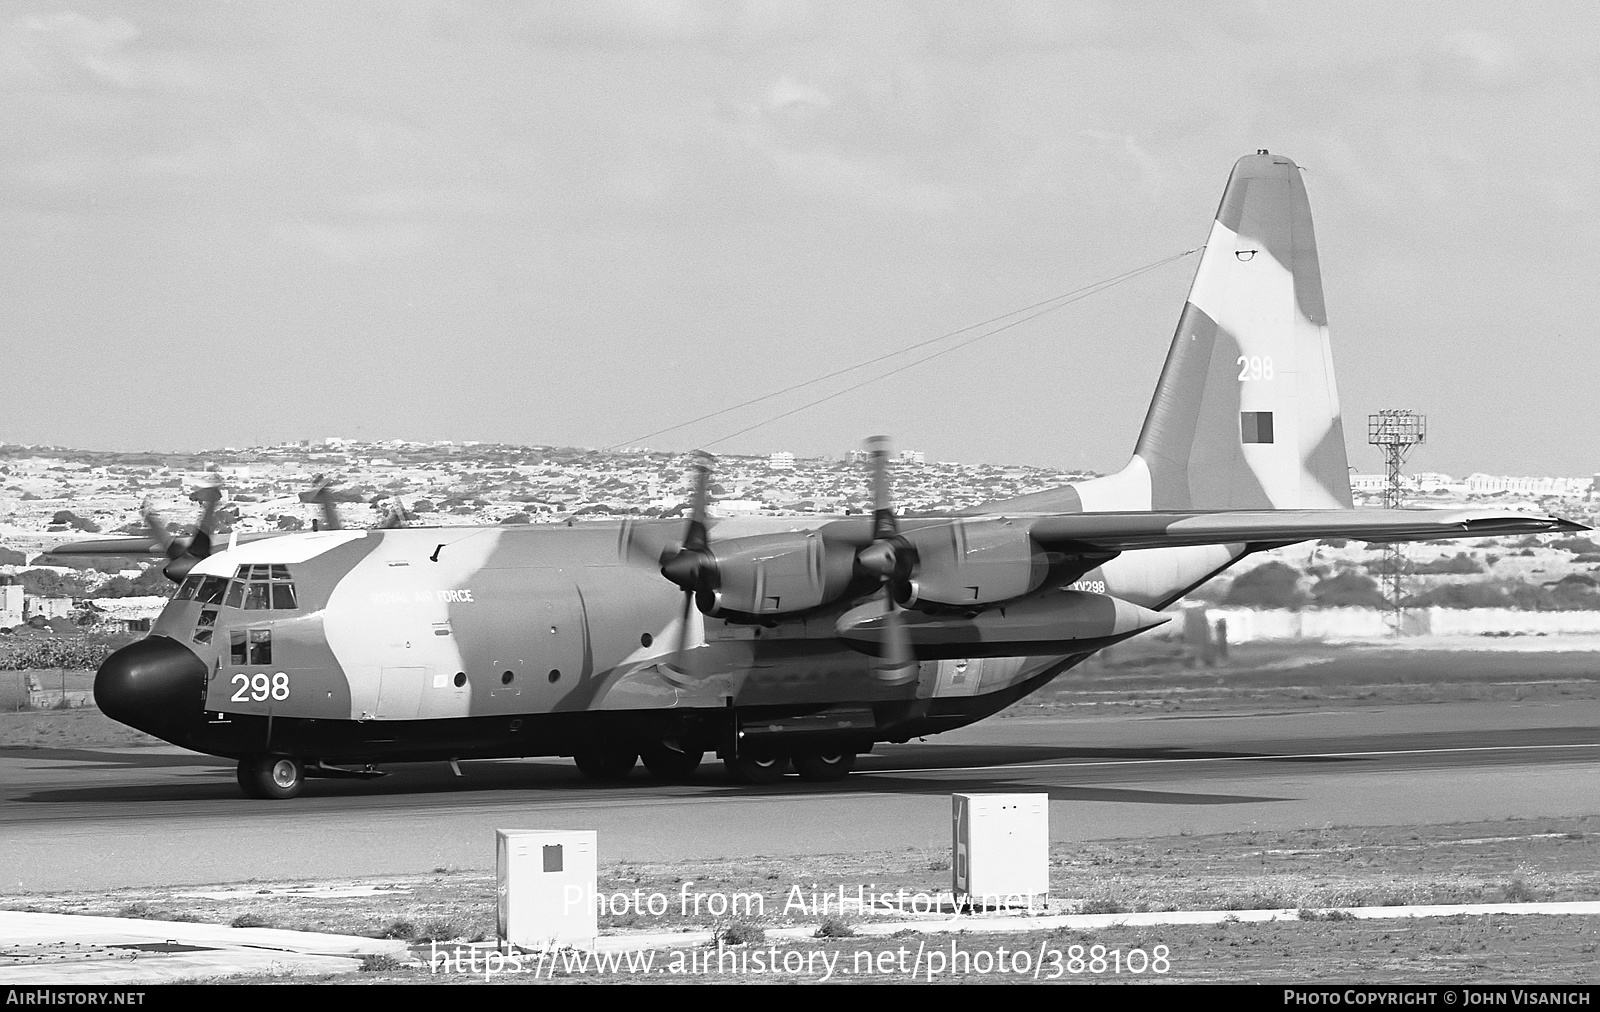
x: 155, y: 685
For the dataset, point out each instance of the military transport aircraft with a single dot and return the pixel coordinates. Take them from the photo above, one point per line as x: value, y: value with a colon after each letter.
x: 775, y: 642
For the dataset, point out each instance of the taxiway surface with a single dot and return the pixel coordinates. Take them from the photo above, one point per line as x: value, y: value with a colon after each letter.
x: 99, y: 819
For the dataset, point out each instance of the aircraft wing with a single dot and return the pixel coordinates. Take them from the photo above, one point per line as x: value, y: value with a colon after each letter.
x: 135, y: 546
x: 1120, y: 532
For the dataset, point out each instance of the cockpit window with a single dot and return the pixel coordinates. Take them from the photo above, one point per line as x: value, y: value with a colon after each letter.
x: 211, y: 589
x: 261, y: 587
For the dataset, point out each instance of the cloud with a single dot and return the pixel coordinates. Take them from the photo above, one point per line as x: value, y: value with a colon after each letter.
x: 66, y: 49
x: 351, y: 244
x: 786, y: 93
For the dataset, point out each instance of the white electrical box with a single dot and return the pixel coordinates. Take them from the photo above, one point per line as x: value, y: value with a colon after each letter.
x: 1000, y: 848
x: 547, y: 888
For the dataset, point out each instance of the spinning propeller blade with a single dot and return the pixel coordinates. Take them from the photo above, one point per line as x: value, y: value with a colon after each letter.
x: 686, y: 567
x: 897, y: 663
x: 687, y: 563
x: 396, y: 517
x: 183, y: 553
x: 322, y: 494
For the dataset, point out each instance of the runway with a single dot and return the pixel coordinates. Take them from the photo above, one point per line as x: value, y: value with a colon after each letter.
x: 99, y: 819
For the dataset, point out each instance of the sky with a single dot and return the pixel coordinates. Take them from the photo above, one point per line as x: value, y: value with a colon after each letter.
x: 231, y: 224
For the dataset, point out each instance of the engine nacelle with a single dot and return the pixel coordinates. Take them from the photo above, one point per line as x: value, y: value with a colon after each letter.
x: 776, y: 574
x: 1063, y: 622
x: 972, y: 562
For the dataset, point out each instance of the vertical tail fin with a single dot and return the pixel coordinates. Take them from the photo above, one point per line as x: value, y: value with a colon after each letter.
x: 1246, y: 415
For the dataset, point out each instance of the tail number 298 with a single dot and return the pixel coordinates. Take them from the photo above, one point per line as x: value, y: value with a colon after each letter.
x: 260, y: 686
x: 1254, y: 367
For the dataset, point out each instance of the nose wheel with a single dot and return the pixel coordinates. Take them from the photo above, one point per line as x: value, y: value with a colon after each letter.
x: 271, y: 777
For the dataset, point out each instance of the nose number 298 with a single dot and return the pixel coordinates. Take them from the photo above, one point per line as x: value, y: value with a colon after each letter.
x: 259, y: 687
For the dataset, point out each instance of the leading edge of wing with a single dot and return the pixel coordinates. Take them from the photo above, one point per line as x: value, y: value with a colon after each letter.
x: 142, y: 546
x: 1129, y: 531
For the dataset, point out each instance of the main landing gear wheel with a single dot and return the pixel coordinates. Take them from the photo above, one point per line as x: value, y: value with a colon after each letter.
x: 825, y: 767
x: 277, y: 778
x: 756, y: 769
x: 668, y: 765
x: 604, y: 766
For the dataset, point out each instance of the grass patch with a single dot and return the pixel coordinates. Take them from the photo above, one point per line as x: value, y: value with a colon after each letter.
x: 439, y: 929
x: 379, y: 962
x: 1518, y: 891
x: 741, y: 933
x: 401, y: 929
x: 1306, y: 914
x: 835, y: 927
x: 1102, y: 905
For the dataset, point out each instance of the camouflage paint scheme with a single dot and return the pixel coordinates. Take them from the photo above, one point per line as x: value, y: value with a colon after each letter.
x: 416, y: 644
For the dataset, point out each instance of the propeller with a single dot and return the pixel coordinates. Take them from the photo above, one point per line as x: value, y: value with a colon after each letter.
x: 322, y: 494
x: 689, y: 566
x: 396, y: 517
x: 183, y: 553
x: 884, y: 558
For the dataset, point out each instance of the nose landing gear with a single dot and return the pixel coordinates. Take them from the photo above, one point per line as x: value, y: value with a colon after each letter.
x: 271, y: 777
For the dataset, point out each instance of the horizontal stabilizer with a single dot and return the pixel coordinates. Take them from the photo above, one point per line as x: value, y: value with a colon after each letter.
x: 1121, y: 532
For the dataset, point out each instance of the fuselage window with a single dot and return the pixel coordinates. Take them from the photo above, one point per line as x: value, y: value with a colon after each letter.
x: 205, y: 626
x: 283, y: 596
x: 187, y: 589
x: 236, y: 650
x: 260, y: 646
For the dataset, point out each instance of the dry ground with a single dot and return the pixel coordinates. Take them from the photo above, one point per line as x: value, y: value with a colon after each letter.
x: 1314, y: 870
x: 1311, y: 871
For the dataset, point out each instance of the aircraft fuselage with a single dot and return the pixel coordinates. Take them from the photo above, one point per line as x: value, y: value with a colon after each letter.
x: 353, y: 647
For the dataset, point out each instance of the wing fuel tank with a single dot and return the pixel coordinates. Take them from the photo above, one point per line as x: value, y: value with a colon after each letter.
x: 1066, y: 622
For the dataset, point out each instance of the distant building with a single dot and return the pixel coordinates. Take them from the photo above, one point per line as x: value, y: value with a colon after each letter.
x: 46, y: 607
x: 736, y: 507
x: 1422, y: 481
x: 1489, y: 484
x: 10, y: 605
x: 782, y: 461
x: 916, y: 457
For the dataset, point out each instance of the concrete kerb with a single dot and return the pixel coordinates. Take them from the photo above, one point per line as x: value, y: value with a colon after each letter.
x: 1093, y: 922
x: 76, y: 949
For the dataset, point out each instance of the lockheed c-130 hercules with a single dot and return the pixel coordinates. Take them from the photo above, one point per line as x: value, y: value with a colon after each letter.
x: 775, y: 642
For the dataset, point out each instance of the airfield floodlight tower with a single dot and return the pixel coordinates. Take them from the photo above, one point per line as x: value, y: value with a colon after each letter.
x: 1395, y: 431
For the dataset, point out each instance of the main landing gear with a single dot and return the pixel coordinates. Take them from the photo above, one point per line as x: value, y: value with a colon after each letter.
x: 669, y: 765
x: 610, y: 766
x: 818, y: 767
x: 271, y: 777
x: 825, y: 766
x: 606, y: 766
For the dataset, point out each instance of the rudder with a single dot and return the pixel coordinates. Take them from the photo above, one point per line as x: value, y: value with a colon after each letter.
x: 1246, y: 414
